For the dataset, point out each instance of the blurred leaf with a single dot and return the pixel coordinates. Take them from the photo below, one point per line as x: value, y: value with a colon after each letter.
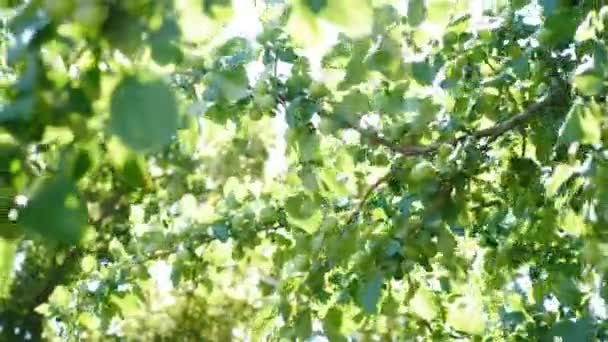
x: 354, y: 17
x: 143, y: 114
x: 56, y: 210
x: 8, y: 249
x: 560, y: 26
x: 549, y: 6
x: 304, y: 27
x: 439, y: 11
x: 416, y: 12
x: 316, y: 5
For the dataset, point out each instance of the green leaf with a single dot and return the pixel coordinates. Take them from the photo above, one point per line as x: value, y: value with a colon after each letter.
x: 581, y: 125
x: 572, y: 223
x: 370, y: 292
x: 123, y: 31
x: 439, y: 11
x: 263, y: 322
x: 589, y: 83
x: 130, y: 166
x: 303, y: 324
x: 189, y: 136
x: 566, y: 290
x: 143, y: 114
x: 549, y: 6
x: 8, y: 249
x: 356, y: 70
x: 353, y: 17
x: 56, y: 210
x: 60, y: 298
x: 129, y: 304
x: 416, y: 12
x: 300, y: 206
x: 423, y: 72
x: 466, y: 315
x: 215, y: 8
x: 20, y: 109
x: 561, y: 173
x: 586, y: 30
x: 588, y: 78
x: 568, y: 330
x: 304, y: 27
x: 352, y: 106
x: 316, y: 5
x: 559, y: 27
x: 88, y: 264
x: 517, y: 4
x: 387, y: 59
x: 304, y: 212
x: 424, y: 304
x: 163, y: 43
x: 332, y: 323
x: 231, y: 85
x: 446, y: 243
x: 89, y: 320
x: 300, y: 111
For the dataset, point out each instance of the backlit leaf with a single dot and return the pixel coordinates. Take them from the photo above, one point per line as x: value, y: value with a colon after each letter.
x: 466, y: 315
x: 581, y: 125
x: 424, y: 305
x: 561, y: 173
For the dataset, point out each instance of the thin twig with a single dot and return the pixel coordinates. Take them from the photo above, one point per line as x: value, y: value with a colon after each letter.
x: 367, y: 195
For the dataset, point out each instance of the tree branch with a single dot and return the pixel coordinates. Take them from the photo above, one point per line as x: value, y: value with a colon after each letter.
x: 491, y: 132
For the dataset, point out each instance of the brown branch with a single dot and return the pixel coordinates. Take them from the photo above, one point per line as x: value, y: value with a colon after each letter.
x: 515, y: 121
x: 367, y: 195
x: 491, y: 132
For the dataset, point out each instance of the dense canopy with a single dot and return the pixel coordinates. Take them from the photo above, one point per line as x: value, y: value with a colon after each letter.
x: 370, y: 170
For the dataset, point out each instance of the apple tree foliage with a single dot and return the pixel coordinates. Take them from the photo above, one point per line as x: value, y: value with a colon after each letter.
x: 356, y: 169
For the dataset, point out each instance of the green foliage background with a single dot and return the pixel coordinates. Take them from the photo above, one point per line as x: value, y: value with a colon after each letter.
x: 357, y: 169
